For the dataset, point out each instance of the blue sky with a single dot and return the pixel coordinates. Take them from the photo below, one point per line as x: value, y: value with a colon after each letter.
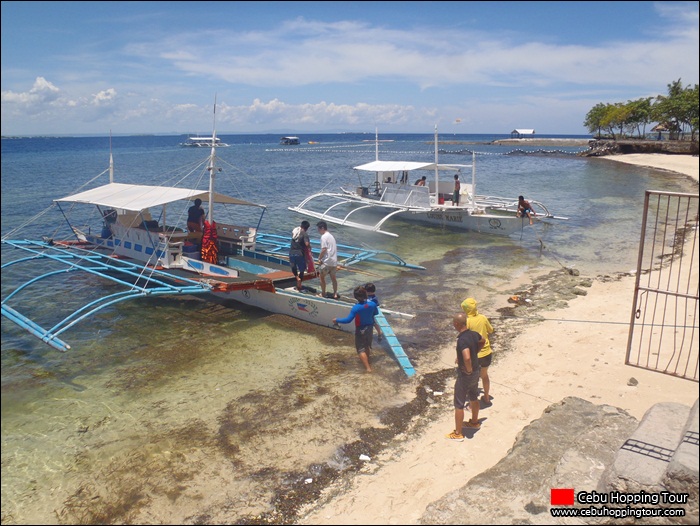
x: 296, y: 67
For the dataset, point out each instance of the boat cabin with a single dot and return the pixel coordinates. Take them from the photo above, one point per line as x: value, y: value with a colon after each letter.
x: 289, y: 140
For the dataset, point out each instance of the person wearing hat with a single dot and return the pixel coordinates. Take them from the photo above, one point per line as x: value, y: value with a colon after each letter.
x: 480, y: 323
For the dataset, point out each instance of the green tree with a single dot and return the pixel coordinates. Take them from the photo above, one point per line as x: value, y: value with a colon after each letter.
x: 639, y: 115
x: 678, y: 110
x: 594, y: 119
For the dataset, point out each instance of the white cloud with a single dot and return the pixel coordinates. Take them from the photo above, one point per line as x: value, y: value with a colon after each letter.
x: 318, y: 75
x: 41, y: 92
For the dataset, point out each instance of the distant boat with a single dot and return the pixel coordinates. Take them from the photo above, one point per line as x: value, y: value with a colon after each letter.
x: 289, y: 140
x: 203, y: 142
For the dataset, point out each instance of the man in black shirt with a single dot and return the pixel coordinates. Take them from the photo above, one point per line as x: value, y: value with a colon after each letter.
x: 468, y: 372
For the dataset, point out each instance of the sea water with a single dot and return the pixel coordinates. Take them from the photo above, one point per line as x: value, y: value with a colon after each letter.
x: 172, y: 409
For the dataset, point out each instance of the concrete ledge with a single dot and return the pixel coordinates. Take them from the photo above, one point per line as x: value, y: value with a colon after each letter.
x: 643, y: 459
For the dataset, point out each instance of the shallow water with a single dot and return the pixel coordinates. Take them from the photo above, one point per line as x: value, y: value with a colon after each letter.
x: 165, y: 410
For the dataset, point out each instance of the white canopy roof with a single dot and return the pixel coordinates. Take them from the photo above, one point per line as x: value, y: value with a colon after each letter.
x: 407, y: 166
x: 136, y: 197
x: 394, y: 166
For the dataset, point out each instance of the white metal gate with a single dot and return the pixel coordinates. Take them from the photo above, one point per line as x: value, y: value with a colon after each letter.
x: 663, y: 332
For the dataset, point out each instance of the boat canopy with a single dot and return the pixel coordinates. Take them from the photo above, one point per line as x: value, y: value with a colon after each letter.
x: 394, y: 166
x: 406, y: 166
x: 136, y: 197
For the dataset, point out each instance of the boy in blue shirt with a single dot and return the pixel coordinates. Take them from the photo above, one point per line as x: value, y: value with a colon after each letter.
x: 371, y: 296
x: 363, y: 312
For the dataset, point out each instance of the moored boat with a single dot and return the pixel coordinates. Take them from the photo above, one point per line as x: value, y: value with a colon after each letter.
x: 140, y: 241
x: 396, y: 189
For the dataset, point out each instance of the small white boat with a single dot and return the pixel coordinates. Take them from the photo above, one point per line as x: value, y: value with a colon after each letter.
x: 289, y: 140
x: 138, y: 239
x: 392, y: 191
x: 203, y: 142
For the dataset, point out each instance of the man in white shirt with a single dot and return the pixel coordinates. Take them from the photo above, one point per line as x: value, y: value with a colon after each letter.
x: 327, y: 259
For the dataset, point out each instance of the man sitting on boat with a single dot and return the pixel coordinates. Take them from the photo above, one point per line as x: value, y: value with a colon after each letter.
x: 524, y: 208
x: 421, y: 181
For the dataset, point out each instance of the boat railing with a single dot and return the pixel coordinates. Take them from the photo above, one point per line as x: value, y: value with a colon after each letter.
x: 509, y: 204
x: 412, y: 196
x: 234, y: 237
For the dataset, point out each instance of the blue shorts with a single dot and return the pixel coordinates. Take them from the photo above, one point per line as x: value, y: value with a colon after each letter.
x: 298, y: 262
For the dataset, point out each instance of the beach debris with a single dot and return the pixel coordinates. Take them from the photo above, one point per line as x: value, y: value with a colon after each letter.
x: 365, y: 458
x: 308, y: 481
x: 438, y: 393
x: 632, y: 381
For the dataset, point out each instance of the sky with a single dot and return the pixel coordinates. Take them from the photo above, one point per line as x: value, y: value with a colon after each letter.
x: 74, y: 68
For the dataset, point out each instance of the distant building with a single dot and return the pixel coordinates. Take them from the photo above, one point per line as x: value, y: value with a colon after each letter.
x: 519, y: 133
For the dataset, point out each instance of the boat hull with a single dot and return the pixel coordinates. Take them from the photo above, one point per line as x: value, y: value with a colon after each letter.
x: 302, y: 306
x: 464, y: 220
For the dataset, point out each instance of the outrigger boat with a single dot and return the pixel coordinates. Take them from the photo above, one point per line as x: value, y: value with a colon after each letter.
x: 394, y: 192
x: 139, y: 246
x: 203, y: 142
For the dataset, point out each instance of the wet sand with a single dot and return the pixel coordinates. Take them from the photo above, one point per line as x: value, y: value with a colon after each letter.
x: 398, y: 485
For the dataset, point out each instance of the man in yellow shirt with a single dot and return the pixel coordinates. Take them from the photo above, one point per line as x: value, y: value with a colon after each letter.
x: 480, y: 323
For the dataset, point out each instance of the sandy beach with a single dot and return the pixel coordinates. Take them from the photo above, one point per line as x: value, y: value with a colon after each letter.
x: 577, y: 351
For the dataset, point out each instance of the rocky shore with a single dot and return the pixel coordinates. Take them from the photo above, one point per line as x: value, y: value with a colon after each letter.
x: 602, y: 147
x: 543, y: 142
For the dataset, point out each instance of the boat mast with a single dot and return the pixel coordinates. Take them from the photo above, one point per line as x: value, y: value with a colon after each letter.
x: 437, y: 190
x: 111, y: 159
x: 376, y: 144
x: 211, y: 167
x: 474, y: 175
x: 376, y: 154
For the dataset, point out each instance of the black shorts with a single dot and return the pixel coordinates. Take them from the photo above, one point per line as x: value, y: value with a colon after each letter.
x: 486, y: 360
x: 363, y: 338
x: 466, y: 388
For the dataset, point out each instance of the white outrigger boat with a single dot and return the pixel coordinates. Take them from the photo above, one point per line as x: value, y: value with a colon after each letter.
x: 203, y: 142
x: 138, y: 245
x: 393, y: 192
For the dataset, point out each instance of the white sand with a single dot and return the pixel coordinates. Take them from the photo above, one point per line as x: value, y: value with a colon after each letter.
x: 682, y: 164
x: 577, y: 352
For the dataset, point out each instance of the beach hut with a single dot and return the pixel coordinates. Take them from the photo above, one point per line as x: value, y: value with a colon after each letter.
x: 662, y: 129
x: 519, y: 133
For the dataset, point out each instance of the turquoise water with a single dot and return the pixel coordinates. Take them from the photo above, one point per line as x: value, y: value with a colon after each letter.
x: 165, y: 409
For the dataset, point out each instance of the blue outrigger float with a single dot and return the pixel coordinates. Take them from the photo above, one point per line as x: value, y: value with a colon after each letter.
x: 137, y: 250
